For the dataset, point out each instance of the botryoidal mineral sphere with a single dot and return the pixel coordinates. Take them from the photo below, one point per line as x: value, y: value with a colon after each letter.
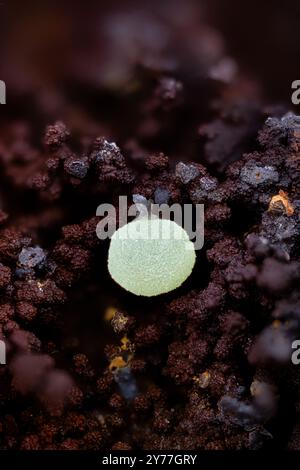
x: 150, y: 256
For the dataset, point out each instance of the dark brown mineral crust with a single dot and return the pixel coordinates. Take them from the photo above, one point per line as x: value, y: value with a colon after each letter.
x: 150, y: 105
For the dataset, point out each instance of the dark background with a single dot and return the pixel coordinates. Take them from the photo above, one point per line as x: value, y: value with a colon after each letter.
x: 43, y: 38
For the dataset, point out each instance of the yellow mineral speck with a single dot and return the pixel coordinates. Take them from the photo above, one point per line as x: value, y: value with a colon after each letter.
x: 125, y: 343
x: 203, y: 379
x: 124, y: 355
x: 117, y: 363
x: 110, y: 313
x: 281, y: 203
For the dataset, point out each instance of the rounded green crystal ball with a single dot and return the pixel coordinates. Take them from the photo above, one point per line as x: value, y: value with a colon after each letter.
x: 150, y: 256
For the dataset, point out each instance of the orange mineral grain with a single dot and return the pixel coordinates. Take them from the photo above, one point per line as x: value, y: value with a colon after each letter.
x: 280, y: 203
